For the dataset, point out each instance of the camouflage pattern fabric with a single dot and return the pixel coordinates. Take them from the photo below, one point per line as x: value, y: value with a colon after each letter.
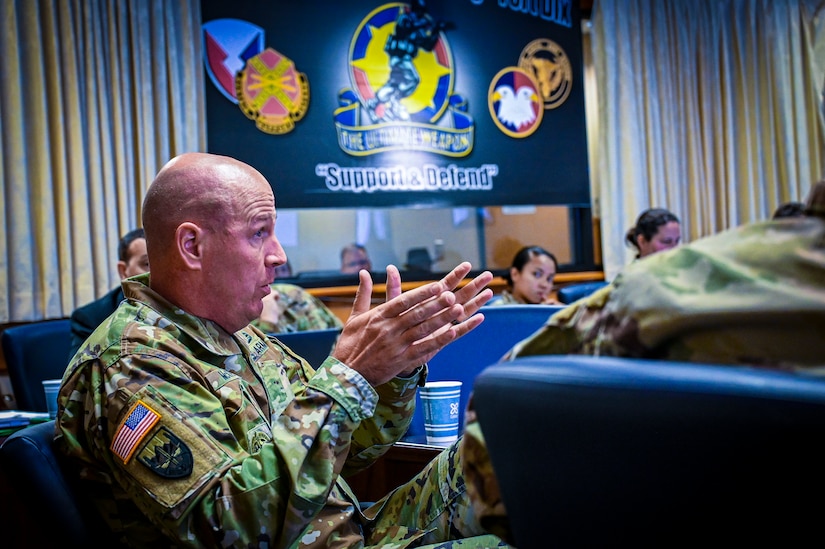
x: 298, y: 310
x: 188, y: 436
x: 456, y: 493
x: 506, y: 298
x: 752, y: 295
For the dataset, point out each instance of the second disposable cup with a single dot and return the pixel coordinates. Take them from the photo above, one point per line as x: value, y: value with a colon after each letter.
x: 51, y: 388
x: 441, y: 400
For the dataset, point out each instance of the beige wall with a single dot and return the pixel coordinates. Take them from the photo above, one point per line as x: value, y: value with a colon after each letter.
x: 510, y: 229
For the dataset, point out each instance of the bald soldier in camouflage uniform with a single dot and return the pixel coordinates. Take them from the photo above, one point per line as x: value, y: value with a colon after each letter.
x: 290, y: 308
x: 752, y: 295
x: 190, y: 428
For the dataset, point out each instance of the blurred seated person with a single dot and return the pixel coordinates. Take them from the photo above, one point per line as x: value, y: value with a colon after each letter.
x: 419, y: 260
x: 132, y: 260
x: 816, y: 197
x: 354, y: 257
x: 752, y: 295
x: 656, y: 230
x: 789, y: 209
x: 530, y: 278
x: 290, y: 308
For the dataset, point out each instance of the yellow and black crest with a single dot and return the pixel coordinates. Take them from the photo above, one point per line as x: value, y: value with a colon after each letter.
x: 547, y: 62
x: 167, y: 455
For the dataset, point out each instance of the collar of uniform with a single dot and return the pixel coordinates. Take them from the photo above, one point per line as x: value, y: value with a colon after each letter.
x: 208, y: 334
x: 254, y: 341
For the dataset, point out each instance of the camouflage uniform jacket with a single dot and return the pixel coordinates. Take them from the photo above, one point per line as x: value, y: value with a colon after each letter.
x: 506, y: 298
x: 752, y: 295
x: 216, y: 439
x: 298, y: 310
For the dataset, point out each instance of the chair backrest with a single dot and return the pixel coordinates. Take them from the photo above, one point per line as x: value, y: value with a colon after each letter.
x: 610, y: 452
x: 34, y: 352
x: 418, y: 259
x: 314, y: 346
x: 574, y: 292
x: 463, y: 359
x: 47, y: 510
x: 323, y: 273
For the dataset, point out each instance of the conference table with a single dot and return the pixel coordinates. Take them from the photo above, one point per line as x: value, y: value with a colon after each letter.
x: 404, y: 460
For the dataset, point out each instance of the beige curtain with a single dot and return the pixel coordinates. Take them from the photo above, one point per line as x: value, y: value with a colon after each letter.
x: 710, y: 108
x: 95, y: 95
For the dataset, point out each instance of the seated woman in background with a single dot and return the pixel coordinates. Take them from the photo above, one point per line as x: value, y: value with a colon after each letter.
x: 789, y: 209
x: 656, y: 230
x: 530, y: 278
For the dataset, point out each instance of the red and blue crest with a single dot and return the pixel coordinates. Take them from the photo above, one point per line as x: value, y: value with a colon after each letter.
x: 227, y: 45
x: 515, y: 101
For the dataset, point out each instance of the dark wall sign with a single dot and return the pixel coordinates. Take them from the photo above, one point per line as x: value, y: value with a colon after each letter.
x: 346, y: 104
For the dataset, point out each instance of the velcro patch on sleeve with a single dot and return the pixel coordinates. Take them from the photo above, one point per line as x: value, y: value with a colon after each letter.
x: 133, y: 429
x: 177, y: 459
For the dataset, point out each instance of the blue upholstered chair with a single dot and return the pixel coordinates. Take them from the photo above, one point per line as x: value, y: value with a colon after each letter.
x: 463, y: 359
x: 610, y: 452
x: 493, y: 300
x: 574, y: 292
x: 48, y: 510
x: 312, y: 345
x: 34, y: 352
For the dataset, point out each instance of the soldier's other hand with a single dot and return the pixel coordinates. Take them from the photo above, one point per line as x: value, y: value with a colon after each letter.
x: 271, y: 312
x: 399, y: 335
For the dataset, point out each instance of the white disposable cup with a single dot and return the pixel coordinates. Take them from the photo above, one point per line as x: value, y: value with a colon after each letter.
x: 51, y: 388
x: 441, y: 400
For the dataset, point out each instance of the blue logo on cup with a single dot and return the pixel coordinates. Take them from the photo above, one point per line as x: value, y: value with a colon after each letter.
x: 441, y: 408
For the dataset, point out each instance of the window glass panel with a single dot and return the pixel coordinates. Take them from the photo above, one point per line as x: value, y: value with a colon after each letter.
x: 486, y: 237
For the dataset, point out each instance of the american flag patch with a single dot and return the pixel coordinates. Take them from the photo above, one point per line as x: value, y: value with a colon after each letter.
x: 137, y: 425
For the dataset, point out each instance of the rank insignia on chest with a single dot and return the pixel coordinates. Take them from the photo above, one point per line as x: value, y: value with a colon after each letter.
x: 167, y: 455
x: 258, y: 349
x: 258, y: 436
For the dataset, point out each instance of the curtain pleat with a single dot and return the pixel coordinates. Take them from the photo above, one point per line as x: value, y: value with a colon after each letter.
x: 710, y: 108
x: 95, y: 95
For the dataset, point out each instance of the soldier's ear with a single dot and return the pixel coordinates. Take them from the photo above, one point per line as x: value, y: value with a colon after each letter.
x: 189, y: 241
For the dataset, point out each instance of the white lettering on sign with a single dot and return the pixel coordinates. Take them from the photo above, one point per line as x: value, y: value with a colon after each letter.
x: 401, y: 178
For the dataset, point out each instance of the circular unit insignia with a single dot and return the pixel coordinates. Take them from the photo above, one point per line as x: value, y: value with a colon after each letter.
x: 550, y: 66
x: 515, y: 102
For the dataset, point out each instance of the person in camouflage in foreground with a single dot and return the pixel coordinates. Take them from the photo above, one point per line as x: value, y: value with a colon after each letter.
x: 290, y: 308
x: 752, y: 295
x: 191, y: 428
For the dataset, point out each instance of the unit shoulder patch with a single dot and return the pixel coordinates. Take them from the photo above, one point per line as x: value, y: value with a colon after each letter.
x: 167, y: 455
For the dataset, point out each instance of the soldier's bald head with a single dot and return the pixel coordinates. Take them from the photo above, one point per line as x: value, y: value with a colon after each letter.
x: 194, y: 187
